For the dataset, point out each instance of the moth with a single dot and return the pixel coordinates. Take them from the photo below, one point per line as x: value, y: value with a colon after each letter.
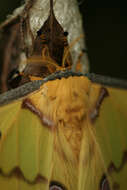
x: 60, y: 129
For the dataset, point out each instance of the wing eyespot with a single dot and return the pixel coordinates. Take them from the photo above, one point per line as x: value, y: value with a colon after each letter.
x: 56, y: 186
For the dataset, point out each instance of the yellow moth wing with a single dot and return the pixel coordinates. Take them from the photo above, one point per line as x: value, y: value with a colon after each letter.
x: 25, y: 149
x: 111, y: 133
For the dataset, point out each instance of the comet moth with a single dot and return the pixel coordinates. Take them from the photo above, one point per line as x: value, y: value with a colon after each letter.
x: 59, y: 129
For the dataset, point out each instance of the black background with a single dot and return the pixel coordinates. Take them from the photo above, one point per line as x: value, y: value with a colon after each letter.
x: 105, y: 25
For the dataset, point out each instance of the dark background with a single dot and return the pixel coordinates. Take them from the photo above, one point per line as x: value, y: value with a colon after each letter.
x: 105, y: 25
